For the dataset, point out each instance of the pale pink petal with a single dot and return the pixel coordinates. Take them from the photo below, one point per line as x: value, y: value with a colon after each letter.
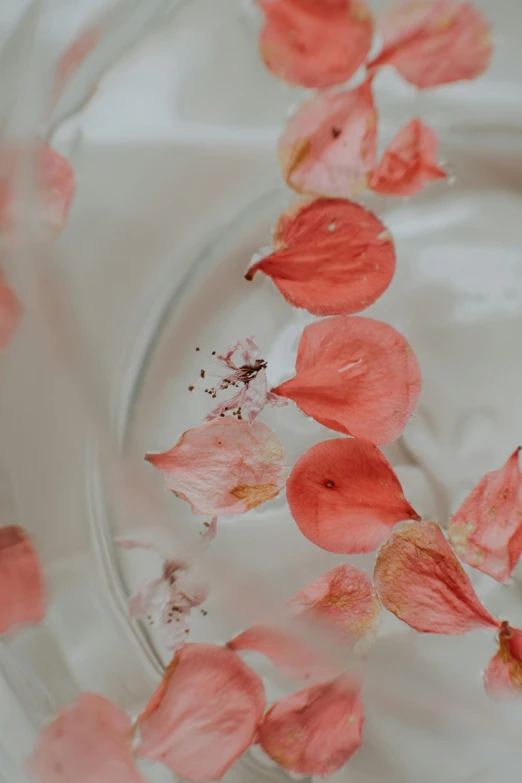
x: 345, y: 497
x: 315, y: 44
x: 432, y: 42
x: 503, y: 676
x: 55, y: 182
x: 331, y: 257
x: 137, y: 543
x: 10, y: 312
x: 314, y: 731
x: 205, y: 714
x: 420, y: 580
x: 22, y: 592
x: 357, y: 376
x: 486, y: 531
x: 89, y: 741
x: 409, y: 162
x: 149, y: 600
x: 329, y: 146
x: 210, y: 532
x: 224, y: 467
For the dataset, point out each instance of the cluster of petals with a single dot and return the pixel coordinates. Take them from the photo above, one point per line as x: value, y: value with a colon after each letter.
x: 246, y: 369
x: 329, y: 147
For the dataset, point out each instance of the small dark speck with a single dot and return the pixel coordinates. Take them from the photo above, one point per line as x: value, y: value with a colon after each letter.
x: 197, y: 349
x: 207, y: 524
x: 202, y: 373
x: 204, y: 613
x: 222, y: 415
x: 191, y: 388
x: 213, y: 353
x: 329, y: 484
x: 336, y: 132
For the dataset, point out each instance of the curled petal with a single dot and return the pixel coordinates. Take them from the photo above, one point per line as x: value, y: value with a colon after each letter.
x: 357, y: 376
x: 421, y: 581
x: 224, y: 467
x: 486, y: 531
x: 329, y: 146
x: 204, y: 715
x: 409, y: 162
x: 434, y: 42
x: 332, y: 257
x: 10, y: 312
x: 22, y: 594
x: 345, y: 497
x: 314, y: 731
x: 503, y: 676
x: 90, y: 740
x: 315, y: 44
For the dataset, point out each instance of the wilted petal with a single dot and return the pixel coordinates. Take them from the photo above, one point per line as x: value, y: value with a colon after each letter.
x: 332, y: 257
x: 22, y: 595
x: 89, y: 741
x: 345, y: 497
x: 486, y: 531
x: 10, y: 312
x: 224, y: 467
x: 409, y: 162
x: 421, y: 581
x: 357, y: 376
x: 204, y: 715
x: 342, y: 601
x: 315, y: 44
x: 503, y: 676
x: 434, y: 42
x: 314, y: 731
x: 329, y: 146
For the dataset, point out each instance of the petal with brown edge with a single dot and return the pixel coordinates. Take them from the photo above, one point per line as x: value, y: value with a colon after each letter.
x: 315, y: 44
x: 316, y: 730
x: 420, y: 580
x: 206, y: 716
x: 409, y: 162
x: 486, y: 531
x: 329, y: 146
x: 433, y: 43
x: 503, y: 676
x: 331, y: 257
x: 225, y: 466
x: 357, y: 376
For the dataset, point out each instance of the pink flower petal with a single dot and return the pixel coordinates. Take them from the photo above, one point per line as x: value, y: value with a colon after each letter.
x: 205, y: 715
x: 56, y: 183
x: 503, y: 676
x: 10, y: 312
x: 22, y: 594
x: 329, y: 146
x: 315, y: 44
x: 421, y: 581
x: 357, y: 376
x: 314, y: 731
x: 224, y: 467
x: 434, y: 42
x: 486, y: 531
x: 343, y: 601
x: 332, y: 257
x: 409, y: 162
x: 345, y: 497
x: 89, y: 741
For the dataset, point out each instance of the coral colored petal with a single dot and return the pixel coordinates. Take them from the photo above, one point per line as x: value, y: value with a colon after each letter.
x: 205, y: 715
x: 345, y: 497
x: 421, y: 581
x: 409, y: 162
x: 315, y: 44
x: 22, y: 594
x: 10, y: 312
x: 486, y: 531
x: 314, y: 731
x: 503, y: 676
x: 90, y: 740
x: 357, y: 376
x: 332, y: 257
x: 224, y: 467
x: 432, y: 43
x: 329, y: 146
